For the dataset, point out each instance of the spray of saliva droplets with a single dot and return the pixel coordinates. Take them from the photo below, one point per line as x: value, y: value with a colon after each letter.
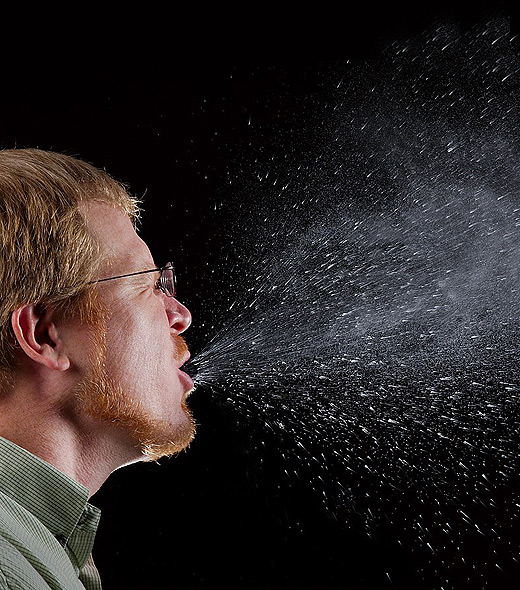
x: 378, y: 322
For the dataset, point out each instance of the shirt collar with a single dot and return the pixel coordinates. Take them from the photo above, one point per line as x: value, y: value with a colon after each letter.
x: 52, y: 497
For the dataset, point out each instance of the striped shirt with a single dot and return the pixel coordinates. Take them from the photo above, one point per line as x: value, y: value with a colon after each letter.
x: 47, y: 528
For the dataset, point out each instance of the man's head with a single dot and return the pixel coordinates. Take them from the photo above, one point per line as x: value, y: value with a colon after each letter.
x: 114, y: 347
x: 136, y: 382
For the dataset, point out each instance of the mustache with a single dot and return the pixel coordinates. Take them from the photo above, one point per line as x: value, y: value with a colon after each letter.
x: 181, y: 348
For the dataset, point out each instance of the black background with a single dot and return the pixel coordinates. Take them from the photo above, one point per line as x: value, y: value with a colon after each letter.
x: 162, y: 101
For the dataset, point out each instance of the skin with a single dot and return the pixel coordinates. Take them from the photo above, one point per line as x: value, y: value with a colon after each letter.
x: 89, y: 400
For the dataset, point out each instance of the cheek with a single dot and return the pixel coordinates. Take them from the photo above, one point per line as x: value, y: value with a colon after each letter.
x: 140, y: 344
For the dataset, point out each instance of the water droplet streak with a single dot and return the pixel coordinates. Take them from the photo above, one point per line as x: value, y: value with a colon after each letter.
x: 381, y: 334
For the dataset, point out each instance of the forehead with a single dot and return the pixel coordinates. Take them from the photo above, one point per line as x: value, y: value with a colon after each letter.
x: 121, y: 247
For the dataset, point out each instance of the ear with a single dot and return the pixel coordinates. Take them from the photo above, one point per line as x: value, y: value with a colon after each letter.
x: 39, y: 337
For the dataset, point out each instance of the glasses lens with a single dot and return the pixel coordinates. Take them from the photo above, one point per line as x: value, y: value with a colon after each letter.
x: 168, y: 281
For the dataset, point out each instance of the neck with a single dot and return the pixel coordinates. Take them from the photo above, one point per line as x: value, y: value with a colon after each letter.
x: 85, y: 450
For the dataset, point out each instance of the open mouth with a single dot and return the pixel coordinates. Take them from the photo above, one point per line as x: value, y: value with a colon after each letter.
x: 185, y: 377
x: 190, y: 368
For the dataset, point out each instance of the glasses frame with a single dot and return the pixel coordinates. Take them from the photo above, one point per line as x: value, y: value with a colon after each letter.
x: 162, y: 281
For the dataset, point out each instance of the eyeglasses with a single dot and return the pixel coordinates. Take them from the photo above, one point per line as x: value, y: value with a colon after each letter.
x: 167, y: 281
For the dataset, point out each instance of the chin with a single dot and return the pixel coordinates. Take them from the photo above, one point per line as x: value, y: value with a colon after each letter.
x: 165, y: 439
x: 155, y: 449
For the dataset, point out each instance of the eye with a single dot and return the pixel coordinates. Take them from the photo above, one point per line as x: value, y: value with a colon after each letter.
x: 153, y: 280
x: 158, y: 286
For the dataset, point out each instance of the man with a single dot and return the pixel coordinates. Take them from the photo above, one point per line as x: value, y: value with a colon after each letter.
x: 90, y: 351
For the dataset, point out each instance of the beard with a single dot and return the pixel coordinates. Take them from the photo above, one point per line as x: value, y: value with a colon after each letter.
x: 102, y: 399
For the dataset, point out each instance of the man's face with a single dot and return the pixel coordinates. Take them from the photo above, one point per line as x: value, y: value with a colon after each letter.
x: 135, y: 381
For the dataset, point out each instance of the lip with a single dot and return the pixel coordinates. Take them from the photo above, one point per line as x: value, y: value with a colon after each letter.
x: 186, y: 379
x: 185, y: 359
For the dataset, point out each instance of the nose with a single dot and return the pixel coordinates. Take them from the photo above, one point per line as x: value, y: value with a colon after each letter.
x: 179, y: 316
